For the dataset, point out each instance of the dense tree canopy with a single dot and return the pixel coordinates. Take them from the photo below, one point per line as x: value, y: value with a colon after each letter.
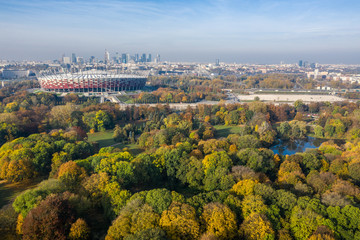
x: 200, y: 173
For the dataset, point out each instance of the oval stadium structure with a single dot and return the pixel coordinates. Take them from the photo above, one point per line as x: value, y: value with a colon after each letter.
x: 91, y: 81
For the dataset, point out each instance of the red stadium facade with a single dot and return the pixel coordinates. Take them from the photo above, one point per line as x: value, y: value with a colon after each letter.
x: 91, y: 82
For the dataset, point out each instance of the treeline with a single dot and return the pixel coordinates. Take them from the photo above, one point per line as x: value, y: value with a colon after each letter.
x: 269, y: 81
x: 168, y: 95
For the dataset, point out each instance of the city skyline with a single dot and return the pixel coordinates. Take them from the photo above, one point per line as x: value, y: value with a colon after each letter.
x: 232, y: 31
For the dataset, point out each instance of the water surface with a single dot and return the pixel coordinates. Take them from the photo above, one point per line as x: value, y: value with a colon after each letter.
x: 290, y: 147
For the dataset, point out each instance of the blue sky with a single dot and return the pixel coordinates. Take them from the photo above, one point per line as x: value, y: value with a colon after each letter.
x: 256, y: 31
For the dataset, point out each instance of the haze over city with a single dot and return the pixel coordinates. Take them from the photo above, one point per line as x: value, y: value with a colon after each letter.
x: 234, y: 31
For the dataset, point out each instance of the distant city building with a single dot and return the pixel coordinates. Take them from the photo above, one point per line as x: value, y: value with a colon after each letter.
x: 66, y: 60
x: 14, y: 74
x: 143, y: 57
x: 217, y: 62
x: 124, y: 58
x: 80, y: 60
x: 300, y: 63
x: 92, y: 59
x: 107, y: 57
x: 73, y: 58
x: 149, y: 58
x: 157, y: 59
x: 117, y: 58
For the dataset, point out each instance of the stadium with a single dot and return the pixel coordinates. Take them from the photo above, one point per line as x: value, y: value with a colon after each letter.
x: 91, y: 81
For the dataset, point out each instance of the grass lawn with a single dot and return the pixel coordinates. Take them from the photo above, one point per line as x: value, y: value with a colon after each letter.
x: 224, y: 131
x: 9, y: 191
x: 105, y: 139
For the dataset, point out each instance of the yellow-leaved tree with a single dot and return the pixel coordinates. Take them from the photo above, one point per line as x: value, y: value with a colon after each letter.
x: 244, y: 187
x: 257, y: 226
x: 219, y: 220
x: 180, y: 222
x: 79, y: 230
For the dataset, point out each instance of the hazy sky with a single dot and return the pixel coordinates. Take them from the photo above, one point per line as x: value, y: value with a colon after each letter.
x: 256, y: 31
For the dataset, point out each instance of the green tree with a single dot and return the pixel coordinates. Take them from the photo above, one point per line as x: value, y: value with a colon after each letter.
x: 304, y: 222
x: 103, y: 120
x: 159, y: 199
x: 133, y: 218
x: 216, y: 167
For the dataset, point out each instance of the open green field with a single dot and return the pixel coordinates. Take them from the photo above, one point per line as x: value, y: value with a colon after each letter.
x: 105, y: 139
x: 224, y: 131
x: 9, y: 191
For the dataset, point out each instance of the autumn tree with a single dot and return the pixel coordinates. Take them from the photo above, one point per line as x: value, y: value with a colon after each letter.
x: 219, y: 220
x: 71, y: 174
x: 244, y: 187
x: 180, y: 222
x: 135, y: 217
x: 79, y: 230
x: 50, y: 220
x: 257, y: 226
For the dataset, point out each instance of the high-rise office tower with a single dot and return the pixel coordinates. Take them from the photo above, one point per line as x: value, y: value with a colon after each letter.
x: 73, y: 58
x: 123, y: 58
x: 117, y: 58
x: 136, y: 57
x: 300, y: 63
x: 217, y: 62
x: 149, y: 58
x: 143, y: 57
x: 107, y: 57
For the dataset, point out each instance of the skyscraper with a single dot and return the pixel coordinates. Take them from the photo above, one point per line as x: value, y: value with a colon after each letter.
x: 300, y: 63
x: 143, y: 57
x: 107, y: 57
x: 117, y: 58
x: 124, y: 58
x: 149, y: 58
x: 73, y: 58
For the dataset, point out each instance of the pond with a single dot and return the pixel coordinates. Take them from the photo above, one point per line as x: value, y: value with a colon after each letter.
x: 290, y: 147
